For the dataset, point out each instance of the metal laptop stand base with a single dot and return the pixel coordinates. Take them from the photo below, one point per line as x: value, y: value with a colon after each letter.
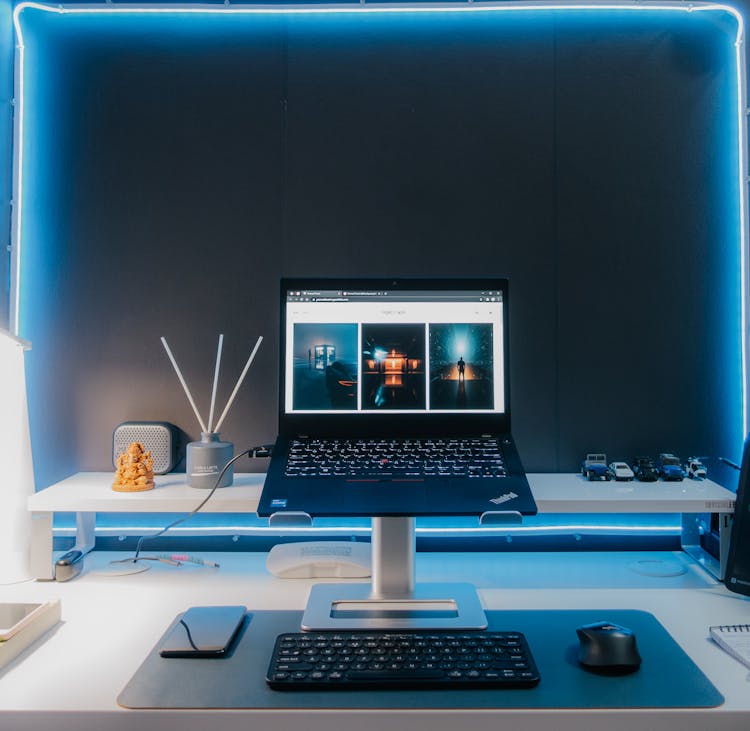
x: 393, y: 601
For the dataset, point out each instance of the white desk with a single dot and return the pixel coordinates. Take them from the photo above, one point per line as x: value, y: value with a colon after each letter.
x: 87, y: 493
x: 70, y: 678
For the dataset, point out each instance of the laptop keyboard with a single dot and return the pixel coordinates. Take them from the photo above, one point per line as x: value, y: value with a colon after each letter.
x: 382, y: 659
x: 395, y: 459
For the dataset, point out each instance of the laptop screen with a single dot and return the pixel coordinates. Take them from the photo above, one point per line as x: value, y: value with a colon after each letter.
x: 408, y: 348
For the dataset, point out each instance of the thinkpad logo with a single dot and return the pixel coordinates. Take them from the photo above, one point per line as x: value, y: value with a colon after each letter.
x: 503, y: 498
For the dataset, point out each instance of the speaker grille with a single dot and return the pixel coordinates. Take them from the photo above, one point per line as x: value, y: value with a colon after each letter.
x: 158, y: 438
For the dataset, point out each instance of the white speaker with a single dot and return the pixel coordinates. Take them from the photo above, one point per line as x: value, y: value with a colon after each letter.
x: 157, y: 437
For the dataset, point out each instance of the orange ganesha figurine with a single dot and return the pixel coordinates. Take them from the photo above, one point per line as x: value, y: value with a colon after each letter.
x: 135, y: 470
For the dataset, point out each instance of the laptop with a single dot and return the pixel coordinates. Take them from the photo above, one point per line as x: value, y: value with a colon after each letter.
x: 394, y: 400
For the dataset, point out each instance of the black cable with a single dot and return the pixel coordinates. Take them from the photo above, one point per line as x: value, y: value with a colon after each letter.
x: 192, y: 512
x: 264, y: 451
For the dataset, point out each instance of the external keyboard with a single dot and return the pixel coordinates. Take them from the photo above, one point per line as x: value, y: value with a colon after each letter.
x: 381, y: 659
x: 395, y: 459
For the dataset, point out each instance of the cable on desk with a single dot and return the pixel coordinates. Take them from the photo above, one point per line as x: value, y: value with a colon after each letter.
x: 254, y: 452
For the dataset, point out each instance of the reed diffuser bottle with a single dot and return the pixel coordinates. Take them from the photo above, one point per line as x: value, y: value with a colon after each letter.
x: 208, y: 457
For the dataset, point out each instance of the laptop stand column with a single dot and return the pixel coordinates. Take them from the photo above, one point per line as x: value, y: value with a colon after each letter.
x: 394, y: 548
x: 393, y: 600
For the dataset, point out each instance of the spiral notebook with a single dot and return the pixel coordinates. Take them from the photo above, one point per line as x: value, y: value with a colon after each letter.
x: 735, y: 639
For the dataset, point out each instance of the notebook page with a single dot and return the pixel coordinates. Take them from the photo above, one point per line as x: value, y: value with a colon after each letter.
x: 735, y: 639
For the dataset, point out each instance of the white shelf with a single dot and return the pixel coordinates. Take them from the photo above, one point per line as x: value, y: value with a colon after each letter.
x: 572, y: 493
x: 554, y: 493
x: 88, y: 493
x: 92, y: 492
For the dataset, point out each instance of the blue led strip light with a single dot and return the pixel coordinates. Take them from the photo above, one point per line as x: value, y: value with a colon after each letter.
x: 637, y: 6
x: 563, y: 529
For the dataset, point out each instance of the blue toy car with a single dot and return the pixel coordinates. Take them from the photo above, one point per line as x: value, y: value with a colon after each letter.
x: 670, y: 468
x: 594, y: 467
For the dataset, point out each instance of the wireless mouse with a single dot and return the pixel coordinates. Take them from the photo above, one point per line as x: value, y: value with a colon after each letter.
x: 608, y: 647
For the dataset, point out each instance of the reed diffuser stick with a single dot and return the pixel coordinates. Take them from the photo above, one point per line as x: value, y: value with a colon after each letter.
x: 239, y: 383
x: 216, y: 382
x: 184, y: 385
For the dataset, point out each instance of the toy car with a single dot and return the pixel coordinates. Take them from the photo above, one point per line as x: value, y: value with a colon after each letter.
x: 644, y: 469
x: 669, y: 468
x: 621, y: 471
x: 695, y: 469
x: 594, y: 467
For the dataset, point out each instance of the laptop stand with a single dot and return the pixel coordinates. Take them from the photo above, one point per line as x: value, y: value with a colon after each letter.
x: 393, y: 601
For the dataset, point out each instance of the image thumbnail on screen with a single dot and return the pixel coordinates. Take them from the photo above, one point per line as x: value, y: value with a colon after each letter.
x: 393, y: 366
x: 461, y: 366
x: 325, y: 367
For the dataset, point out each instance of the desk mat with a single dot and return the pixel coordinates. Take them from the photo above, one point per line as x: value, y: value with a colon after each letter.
x: 668, y: 678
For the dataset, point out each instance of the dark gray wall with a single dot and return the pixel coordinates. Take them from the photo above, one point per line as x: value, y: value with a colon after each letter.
x: 180, y: 169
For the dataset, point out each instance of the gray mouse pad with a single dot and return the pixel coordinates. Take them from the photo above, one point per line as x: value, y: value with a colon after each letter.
x: 668, y: 678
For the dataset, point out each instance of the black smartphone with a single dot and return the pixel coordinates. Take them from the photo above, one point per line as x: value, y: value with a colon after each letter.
x: 203, y: 632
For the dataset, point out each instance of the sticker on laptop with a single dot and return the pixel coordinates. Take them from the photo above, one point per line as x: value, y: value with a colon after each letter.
x: 504, y: 498
x: 278, y: 502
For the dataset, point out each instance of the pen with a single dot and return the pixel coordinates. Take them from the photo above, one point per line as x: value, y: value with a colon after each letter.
x: 185, y: 558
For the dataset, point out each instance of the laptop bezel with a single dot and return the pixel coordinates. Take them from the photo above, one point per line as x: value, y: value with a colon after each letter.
x: 392, y: 422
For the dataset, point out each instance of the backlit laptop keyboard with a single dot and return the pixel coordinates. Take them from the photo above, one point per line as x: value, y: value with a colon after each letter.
x: 395, y: 459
